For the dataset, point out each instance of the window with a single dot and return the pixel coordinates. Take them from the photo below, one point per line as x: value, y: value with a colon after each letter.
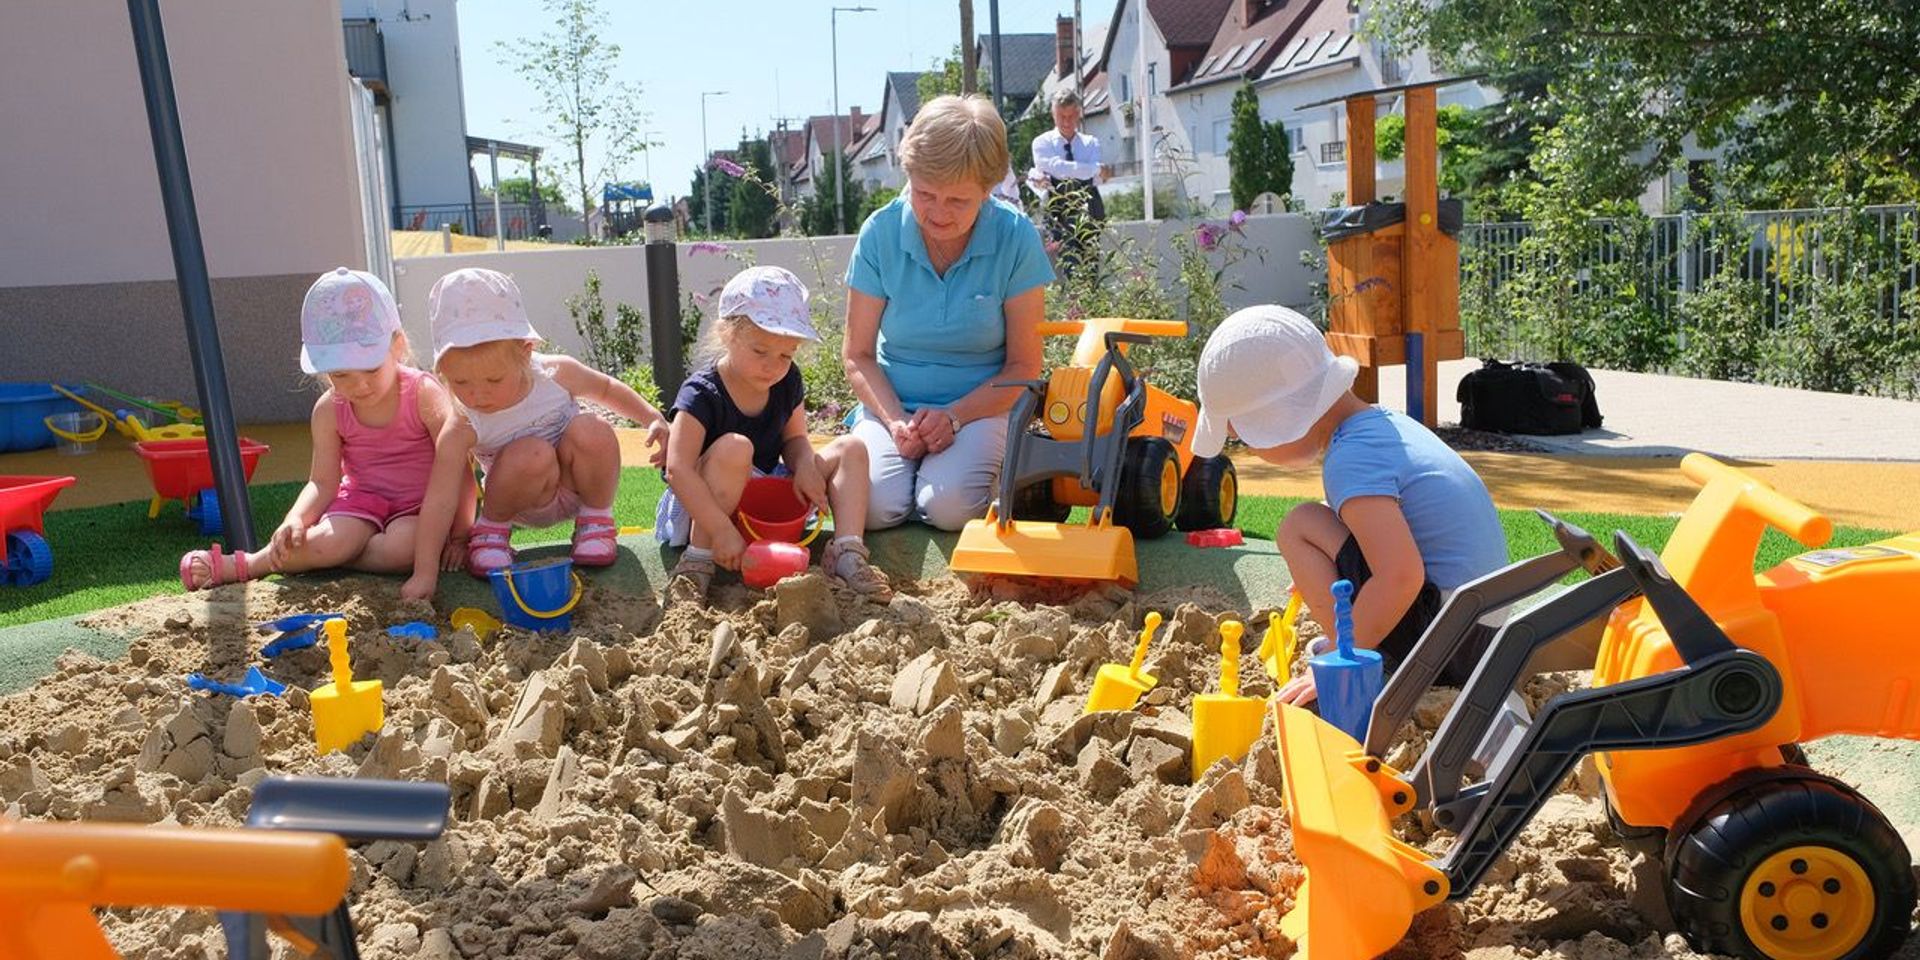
x: 1341, y: 47
x: 1287, y: 55
x: 1313, y: 46
x: 1296, y: 138
x: 1227, y: 56
x: 1222, y: 134
x: 1126, y: 89
x: 1205, y: 65
x: 1333, y: 151
x: 1247, y: 54
x: 1391, y: 70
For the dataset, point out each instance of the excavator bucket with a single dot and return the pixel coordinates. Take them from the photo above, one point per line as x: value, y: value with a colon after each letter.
x: 1033, y: 548
x: 1363, y: 885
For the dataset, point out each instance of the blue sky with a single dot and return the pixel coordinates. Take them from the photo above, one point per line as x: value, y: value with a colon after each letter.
x: 772, y: 56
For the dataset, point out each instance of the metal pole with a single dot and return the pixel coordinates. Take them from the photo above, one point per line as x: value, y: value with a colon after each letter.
x: 499, y: 225
x: 1143, y: 115
x: 190, y: 271
x: 1076, y: 46
x: 993, y: 26
x: 839, y: 186
x: 706, y: 171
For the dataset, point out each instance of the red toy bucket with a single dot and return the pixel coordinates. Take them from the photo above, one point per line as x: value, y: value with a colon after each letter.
x: 770, y: 509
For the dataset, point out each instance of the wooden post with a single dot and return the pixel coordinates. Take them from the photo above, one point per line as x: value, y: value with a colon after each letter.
x: 1360, y: 150
x: 1421, y: 262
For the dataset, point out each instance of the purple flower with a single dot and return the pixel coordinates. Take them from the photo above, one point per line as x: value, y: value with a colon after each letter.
x: 708, y: 246
x: 728, y: 167
x: 1237, y: 219
x: 1209, y: 235
x: 699, y: 297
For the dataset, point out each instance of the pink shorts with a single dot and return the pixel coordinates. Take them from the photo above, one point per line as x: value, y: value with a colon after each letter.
x: 371, y: 507
x: 565, y: 505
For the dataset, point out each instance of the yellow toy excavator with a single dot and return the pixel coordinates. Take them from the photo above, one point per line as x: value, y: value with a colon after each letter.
x: 1096, y: 434
x: 1707, y: 679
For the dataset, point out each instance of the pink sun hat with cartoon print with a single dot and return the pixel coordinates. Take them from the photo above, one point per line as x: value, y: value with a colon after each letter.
x: 347, y: 322
x: 773, y: 298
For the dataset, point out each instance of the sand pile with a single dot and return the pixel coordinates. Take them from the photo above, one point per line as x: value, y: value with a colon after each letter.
x: 799, y: 774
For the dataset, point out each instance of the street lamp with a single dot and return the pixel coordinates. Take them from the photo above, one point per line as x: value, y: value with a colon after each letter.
x: 839, y: 172
x: 706, y: 161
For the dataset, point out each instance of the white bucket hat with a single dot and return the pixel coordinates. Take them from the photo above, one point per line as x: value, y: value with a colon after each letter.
x: 1269, y: 371
x: 473, y: 306
x: 347, y: 322
x: 773, y: 298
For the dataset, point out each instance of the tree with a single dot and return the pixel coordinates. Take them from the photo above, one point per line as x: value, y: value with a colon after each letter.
x: 586, y: 108
x: 1813, y: 99
x: 520, y: 190
x: 1259, y: 155
x: 722, y: 194
x: 751, y: 209
x: 816, y: 212
x: 948, y: 75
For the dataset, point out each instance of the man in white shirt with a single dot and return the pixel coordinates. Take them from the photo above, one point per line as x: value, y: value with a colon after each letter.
x: 1069, y: 161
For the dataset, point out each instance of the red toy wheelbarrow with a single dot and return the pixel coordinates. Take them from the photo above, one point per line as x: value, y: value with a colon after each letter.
x: 183, y: 470
x: 25, y: 556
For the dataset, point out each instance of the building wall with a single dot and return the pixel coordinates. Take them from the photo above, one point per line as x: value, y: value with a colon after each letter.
x: 88, y: 292
x: 429, y: 113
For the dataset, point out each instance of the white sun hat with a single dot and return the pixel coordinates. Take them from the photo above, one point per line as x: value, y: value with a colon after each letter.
x: 1268, y: 371
x: 473, y: 306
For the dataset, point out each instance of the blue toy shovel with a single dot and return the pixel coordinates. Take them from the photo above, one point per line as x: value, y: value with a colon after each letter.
x: 297, y: 632
x: 1347, y: 681
x: 253, y: 684
x: 417, y: 630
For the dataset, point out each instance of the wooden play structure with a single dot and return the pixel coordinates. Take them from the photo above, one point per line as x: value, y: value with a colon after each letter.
x: 1393, y: 292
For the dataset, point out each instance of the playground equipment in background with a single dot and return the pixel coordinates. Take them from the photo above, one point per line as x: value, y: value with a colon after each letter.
x: 538, y: 594
x: 26, y: 558
x: 346, y: 709
x: 1707, y: 679
x: 185, y: 423
x: 1118, y: 686
x: 1225, y: 724
x: 1096, y: 434
x: 183, y: 470
x: 773, y: 518
x: 24, y: 409
x: 1346, y: 680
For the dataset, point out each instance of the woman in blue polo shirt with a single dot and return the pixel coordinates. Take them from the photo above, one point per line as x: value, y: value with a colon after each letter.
x: 945, y: 295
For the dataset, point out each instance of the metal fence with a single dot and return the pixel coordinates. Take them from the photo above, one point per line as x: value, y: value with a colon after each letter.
x: 1654, y: 263
x: 523, y: 220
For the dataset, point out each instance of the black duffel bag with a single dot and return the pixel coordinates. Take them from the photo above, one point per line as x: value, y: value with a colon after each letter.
x: 1534, y: 398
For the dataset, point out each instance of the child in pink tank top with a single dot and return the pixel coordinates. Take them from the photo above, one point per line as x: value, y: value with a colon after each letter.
x: 373, y: 446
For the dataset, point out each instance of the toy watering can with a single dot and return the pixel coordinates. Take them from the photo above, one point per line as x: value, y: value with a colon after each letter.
x: 1225, y: 724
x: 346, y: 709
x: 538, y: 594
x: 1118, y: 686
x: 773, y: 518
x: 1347, y: 680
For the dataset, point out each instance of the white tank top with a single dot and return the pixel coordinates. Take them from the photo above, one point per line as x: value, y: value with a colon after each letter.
x: 544, y: 412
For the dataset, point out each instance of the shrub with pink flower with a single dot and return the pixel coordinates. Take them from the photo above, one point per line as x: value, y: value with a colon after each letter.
x: 728, y: 167
x: 708, y: 246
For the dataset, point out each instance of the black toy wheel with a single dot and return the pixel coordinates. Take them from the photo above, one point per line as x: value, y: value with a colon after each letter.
x: 1210, y: 495
x: 1035, y: 502
x: 1799, y: 867
x: 1149, y: 495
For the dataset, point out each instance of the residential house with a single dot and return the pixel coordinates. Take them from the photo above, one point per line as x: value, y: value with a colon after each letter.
x: 822, y: 133
x: 876, y: 155
x: 1025, y: 58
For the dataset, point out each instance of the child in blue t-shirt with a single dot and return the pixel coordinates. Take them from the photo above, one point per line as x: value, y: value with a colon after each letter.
x: 743, y: 415
x: 1405, y: 519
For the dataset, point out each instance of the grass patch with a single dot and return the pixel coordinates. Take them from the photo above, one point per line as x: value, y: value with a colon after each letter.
x: 107, y: 556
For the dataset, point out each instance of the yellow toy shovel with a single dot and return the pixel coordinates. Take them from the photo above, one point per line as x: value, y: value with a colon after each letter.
x: 344, y: 710
x: 1119, y: 686
x: 1225, y: 724
x: 1281, y: 641
x: 479, y: 621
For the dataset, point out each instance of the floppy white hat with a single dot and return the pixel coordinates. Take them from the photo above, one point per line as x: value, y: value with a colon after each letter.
x: 1268, y: 370
x: 773, y: 298
x: 475, y: 305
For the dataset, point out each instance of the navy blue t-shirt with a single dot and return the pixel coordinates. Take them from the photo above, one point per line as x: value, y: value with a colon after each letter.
x: 704, y: 396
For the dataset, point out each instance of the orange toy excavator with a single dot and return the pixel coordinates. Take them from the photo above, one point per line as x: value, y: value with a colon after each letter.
x: 1707, y: 679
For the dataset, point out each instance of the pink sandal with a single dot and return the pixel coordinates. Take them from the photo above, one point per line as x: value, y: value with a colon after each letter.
x: 594, y: 542
x: 489, y: 548
x: 216, y: 573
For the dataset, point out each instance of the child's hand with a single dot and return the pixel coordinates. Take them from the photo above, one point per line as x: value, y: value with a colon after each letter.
x: 810, y: 482
x: 728, y: 545
x: 1298, y: 691
x: 420, y: 586
x: 453, y: 556
x: 657, y: 442
x: 290, y: 535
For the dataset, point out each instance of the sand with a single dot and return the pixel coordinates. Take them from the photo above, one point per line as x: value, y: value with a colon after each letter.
x: 798, y: 774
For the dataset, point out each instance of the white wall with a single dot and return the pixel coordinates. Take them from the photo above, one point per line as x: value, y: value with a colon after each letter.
x: 262, y: 92
x: 423, y: 79
x: 1270, y: 274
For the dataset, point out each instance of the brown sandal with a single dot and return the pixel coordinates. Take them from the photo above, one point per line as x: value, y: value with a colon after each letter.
x: 847, y: 562
x: 690, y: 579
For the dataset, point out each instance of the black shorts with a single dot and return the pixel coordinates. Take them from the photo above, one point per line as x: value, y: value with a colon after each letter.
x: 1351, y: 565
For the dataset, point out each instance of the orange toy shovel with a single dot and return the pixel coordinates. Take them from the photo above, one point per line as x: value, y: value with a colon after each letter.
x: 1118, y: 686
x: 344, y: 710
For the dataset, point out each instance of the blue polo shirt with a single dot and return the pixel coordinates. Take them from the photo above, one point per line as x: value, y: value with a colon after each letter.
x: 940, y: 337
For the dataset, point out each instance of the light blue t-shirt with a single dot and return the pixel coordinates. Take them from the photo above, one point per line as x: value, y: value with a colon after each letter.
x: 1380, y: 452
x: 940, y: 337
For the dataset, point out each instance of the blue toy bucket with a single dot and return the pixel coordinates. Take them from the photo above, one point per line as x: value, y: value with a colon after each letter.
x: 1347, y: 680
x: 539, y: 594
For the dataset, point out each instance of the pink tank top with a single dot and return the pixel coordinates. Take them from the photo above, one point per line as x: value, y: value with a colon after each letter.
x: 392, y: 461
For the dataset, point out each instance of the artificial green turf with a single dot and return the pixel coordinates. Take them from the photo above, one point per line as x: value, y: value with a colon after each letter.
x: 106, y: 556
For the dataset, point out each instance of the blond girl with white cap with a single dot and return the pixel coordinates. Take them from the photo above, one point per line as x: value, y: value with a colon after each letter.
x: 542, y: 458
